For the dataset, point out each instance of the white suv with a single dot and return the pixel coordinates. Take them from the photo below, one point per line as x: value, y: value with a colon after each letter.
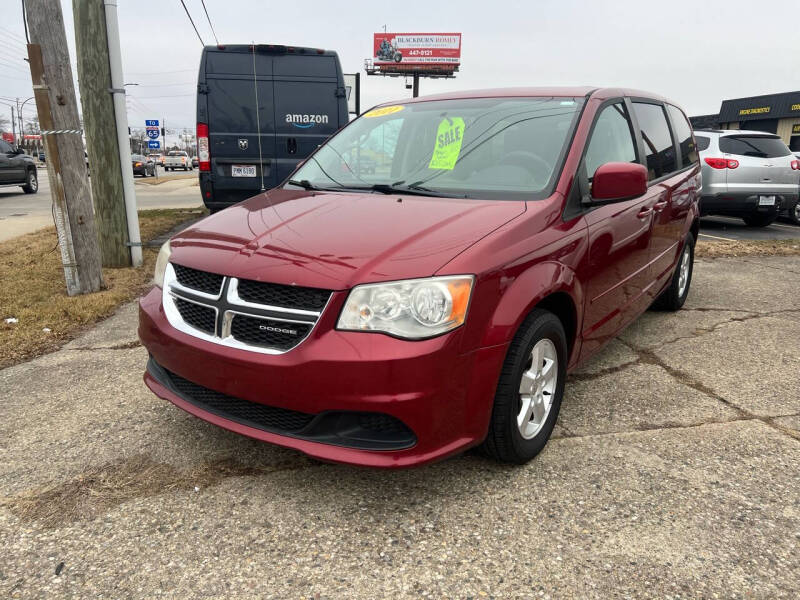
x: 748, y: 174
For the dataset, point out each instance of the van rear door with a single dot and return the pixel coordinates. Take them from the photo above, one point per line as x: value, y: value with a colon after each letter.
x: 308, y: 99
x: 233, y: 127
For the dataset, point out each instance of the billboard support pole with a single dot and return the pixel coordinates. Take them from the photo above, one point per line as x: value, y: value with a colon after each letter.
x: 415, y: 92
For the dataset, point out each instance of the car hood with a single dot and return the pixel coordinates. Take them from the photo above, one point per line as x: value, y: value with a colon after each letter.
x: 337, y: 240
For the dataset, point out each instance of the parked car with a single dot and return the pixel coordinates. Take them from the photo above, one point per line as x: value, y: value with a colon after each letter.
x: 142, y: 165
x: 748, y: 174
x: 17, y: 169
x: 178, y: 160
x: 195, y: 161
x: 308, y: 103
x: 396, y: 319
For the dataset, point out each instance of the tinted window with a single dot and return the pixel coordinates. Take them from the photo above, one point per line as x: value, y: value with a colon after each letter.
x: 612, y: 139
x: 5, y: 147
x: 683, y: 133
x: 658, y: 148
x: 751, y: 145
x: 702, y: 142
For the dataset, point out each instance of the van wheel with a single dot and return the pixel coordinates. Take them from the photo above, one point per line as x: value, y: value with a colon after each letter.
x: 529, y: 392
x: 31, y: 183
x: 675, y: 295
x: 759, y: 220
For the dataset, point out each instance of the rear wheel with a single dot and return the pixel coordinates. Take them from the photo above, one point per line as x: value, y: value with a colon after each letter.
x: 31, y: 183
x: 794, y: 213
x: 759, y: 220
x: 675, y: 295
x: 530, y: 389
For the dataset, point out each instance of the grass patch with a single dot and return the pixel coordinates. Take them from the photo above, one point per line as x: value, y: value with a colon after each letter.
x: 723, y: 249
x: 34, y: 291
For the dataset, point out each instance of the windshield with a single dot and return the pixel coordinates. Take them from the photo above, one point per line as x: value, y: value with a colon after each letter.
x: 503, y: 148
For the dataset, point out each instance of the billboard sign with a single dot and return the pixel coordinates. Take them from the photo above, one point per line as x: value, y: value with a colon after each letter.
x: 417, y: 49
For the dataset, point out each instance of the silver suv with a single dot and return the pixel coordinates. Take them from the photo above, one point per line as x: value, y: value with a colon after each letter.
x: 747, y: 174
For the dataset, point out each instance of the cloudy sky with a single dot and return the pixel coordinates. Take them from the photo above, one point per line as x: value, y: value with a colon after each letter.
x: 697, y: 53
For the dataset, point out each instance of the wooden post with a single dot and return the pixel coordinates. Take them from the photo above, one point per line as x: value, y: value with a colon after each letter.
x: 94, y: 77
x: 66, y: 168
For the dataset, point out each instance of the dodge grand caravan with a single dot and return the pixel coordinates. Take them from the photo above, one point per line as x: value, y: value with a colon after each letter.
x: 435, y: 301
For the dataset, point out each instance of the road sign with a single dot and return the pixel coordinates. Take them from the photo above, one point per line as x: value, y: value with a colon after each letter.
x: 153, y: 144
x: 151, y: 122
x: 153, y: 133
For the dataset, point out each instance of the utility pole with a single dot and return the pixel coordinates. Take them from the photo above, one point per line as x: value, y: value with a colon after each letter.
x: 58, y: 117
x: 94, y: 77
x: 13, y: 125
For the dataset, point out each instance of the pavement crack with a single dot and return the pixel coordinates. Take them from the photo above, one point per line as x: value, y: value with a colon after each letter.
x: 124, y: 346
x: 99, y: 489
x: 649, y: 357
x: 661, y: 427
x: 602, y: 372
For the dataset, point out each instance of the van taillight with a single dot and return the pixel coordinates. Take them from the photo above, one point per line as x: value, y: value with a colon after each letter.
x: 796, y: 165
x: 722, y: 163
x: 203, y: 153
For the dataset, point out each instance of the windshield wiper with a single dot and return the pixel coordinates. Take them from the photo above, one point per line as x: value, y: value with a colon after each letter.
x: 409, y: 190
x: 304, y: 183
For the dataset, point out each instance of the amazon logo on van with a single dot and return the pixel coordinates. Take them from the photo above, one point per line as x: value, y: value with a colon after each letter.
x: 305, y: 121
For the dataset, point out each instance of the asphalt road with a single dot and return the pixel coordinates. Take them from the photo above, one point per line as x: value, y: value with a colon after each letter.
x: 673, y: 473
x: 728, y: 228
x: 22, y: 213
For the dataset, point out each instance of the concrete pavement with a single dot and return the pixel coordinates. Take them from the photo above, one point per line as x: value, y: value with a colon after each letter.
x: 673, y: 474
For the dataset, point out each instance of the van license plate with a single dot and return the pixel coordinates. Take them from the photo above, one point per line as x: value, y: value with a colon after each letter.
x: 243, y: 170
x: 762, y: 200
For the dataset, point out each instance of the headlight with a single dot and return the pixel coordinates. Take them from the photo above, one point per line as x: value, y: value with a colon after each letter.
x: 161, y: 264
x: 413, y: 309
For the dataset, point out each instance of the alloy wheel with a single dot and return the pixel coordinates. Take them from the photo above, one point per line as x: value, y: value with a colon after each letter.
x: 537, y: 388
x: 683, y: 273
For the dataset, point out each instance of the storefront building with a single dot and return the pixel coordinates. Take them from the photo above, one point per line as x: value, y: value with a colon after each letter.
x: 774, y: 113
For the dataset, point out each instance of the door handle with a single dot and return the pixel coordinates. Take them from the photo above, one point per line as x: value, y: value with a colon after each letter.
x: 291, y: 145
x: 659, y: 206
x: 644, y: 212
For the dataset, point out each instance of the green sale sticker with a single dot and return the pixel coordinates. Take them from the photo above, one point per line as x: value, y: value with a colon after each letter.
x: 448, y: 144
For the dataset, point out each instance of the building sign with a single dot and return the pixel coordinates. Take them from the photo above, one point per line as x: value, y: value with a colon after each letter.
x: 754, y: 111
x: 417, y: 48
x: 796, y: 128
x: 8, y: 137
x: 795, y: 107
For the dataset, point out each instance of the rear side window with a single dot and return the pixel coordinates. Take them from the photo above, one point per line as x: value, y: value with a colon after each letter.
x: 612, y: 139
x: 658, y: 148
x: 703, y: 142
x: 759, y: 146
x: 683, y: 133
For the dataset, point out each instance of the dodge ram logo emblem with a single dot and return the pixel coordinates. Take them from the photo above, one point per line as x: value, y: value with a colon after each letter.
x: 242, y: 144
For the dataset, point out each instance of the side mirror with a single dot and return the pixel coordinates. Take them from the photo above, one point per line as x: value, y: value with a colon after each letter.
x: 19, y: 150
x: 617, y: 181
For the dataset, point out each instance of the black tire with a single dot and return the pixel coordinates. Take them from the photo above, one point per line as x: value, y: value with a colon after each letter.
x: 794, y: 213
x: 759, y: 220
x: 504, y: 441
x: 672, y: 298
x: 31, y: 182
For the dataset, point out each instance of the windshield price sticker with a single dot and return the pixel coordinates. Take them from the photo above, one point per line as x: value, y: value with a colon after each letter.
x: 386, y: 110
x: 448, y: 144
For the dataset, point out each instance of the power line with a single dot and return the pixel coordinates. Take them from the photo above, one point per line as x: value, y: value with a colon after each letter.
x: 161, y: 72
x: 209, y: 22
x: 186, y: 10
x: 14, y: 37
x: 168, y: 96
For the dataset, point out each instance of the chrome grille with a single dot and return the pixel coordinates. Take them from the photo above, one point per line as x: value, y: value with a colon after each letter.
x: 272, y: 319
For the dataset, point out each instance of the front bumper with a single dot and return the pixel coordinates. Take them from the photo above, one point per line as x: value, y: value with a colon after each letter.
x: 442, y: 395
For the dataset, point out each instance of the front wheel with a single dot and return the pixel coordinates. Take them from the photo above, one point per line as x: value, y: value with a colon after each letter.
x: 31, y: 183
x: 759, y: 220
x: 529, y: 391
x: 675, y: 295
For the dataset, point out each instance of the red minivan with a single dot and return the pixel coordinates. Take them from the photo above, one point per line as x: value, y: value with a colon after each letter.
x: 425, y: 280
